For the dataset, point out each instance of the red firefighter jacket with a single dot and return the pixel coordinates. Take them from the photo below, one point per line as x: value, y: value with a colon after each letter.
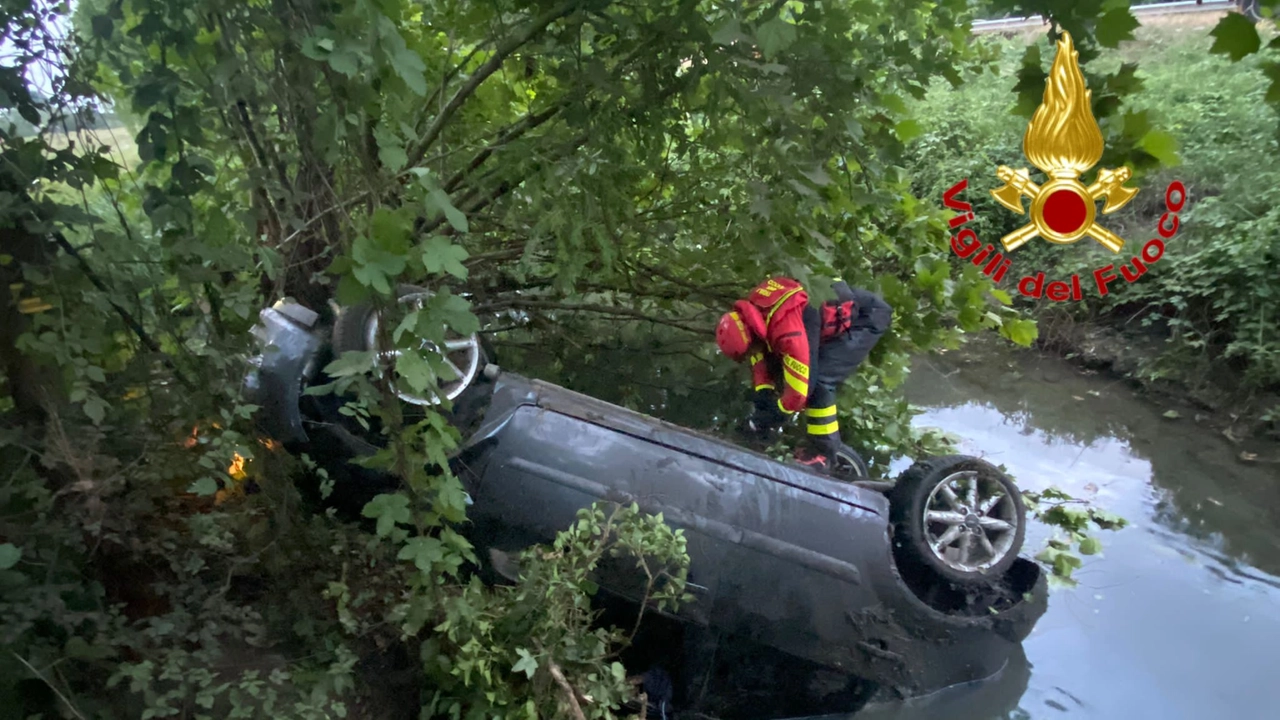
x: 774, y: 312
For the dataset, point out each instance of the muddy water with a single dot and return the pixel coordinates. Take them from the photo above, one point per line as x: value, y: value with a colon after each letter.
x: 1180, y: 616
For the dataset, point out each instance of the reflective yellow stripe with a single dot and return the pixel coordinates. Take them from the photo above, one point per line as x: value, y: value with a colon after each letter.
x: 796, y: 383
x: 755, y: 358
x: 767, y: 386
x: 821, y: 412
x: 828, y: 429
x: 800, y: 369
x: 783, y: 409
x: 779, y: 302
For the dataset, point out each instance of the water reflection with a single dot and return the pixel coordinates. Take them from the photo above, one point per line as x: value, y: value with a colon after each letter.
x: 1178, y: 618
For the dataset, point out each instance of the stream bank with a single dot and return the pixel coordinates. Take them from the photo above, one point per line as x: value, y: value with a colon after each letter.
x: 1129, y: 353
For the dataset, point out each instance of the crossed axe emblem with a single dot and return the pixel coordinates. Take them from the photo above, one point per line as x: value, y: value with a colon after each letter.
x: 1063, y: 210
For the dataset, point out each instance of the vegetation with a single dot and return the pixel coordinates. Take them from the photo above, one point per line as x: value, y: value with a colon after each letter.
x: 580, y: 174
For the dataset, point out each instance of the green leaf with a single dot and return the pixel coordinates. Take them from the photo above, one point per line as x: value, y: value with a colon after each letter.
x: 96, y: 408
x: 527, y: 664
x: 352, y: 362
x: 392, y: 155
x: 437, y: 200
x: 345, y: 61
x: 103, y: 26
x: 1271, y: 69
x: 775, y: 36
x: 204, y: 487
x: 456, y: 312
x: 1090, y: 546
x: 1115, y: 26
x: 728, y: 33
x: 1162, y: 146
x: 1002, y: 296
x: 424, y: 552
x: 409, y: 66
x: 389, y: 509
x: 908, y: 130
x: 1235, y: 36
x: 1020, y: 332
x: 414, y: 370
x: 438, y: 254
x: 9, y: 555
x: 79, y: 649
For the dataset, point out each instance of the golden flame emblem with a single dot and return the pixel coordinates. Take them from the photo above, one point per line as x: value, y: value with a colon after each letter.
x: 1064, y: 141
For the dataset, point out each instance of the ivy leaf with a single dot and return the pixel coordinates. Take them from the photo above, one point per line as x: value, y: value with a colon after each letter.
x: 439, y: 254
x: 775, y: 36
x: 1235, y: 36
x: 424, y: 552
x: 1115, y: 26
x: 388, y: 509
x: 9, y: 555
x: 527, y: 663
x: 204, y: 487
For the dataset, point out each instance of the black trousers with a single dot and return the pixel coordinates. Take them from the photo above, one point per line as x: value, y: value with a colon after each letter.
x: 832, y: 362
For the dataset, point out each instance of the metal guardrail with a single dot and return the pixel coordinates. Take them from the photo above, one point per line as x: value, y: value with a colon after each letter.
x: 1169, y: 8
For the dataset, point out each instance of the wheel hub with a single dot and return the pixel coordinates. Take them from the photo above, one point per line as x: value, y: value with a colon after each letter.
x: 969, y: 522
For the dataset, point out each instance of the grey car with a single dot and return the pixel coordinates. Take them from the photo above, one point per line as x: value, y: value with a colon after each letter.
x: 896, y: 589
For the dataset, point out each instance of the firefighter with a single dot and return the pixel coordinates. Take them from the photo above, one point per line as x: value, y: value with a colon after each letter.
x: 800, y: 354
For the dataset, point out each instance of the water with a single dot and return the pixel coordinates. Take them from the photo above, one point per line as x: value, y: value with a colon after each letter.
x: 1180, y: 616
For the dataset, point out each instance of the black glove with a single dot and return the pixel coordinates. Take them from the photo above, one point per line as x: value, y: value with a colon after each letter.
x: 766, y: 415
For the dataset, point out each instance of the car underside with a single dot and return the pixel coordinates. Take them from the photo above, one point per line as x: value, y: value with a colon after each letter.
x: 857, y: 591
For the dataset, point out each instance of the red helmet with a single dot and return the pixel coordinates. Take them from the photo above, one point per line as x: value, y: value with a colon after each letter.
x: 732, y: 336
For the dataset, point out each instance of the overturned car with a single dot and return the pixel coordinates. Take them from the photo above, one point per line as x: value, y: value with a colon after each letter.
x: 886, y: 590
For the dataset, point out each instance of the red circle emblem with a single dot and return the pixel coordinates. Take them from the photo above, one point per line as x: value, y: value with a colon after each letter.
x: 1065, y: 212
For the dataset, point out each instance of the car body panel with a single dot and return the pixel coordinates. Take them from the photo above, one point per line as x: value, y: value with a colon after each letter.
x: 779, y: 555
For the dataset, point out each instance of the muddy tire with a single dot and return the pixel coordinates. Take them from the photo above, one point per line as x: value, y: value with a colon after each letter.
x: 957, y: 517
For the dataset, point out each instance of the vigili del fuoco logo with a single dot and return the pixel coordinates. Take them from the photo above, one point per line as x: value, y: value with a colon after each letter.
x: 1064, y: 142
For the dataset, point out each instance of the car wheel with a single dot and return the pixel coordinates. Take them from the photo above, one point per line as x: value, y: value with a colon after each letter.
x: 356, y: 328
x: 848, y: 465
x: 959, y: 517
x: 1249, y: 8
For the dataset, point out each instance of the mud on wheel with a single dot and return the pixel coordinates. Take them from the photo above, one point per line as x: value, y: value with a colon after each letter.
x: 958, y: 517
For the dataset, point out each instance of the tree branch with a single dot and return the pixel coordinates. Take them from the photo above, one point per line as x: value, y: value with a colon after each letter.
x: 491, y: 66
x: 558, y: 676
x: 128, y: 318
x: 508, y: 134
x: 612, y: 311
